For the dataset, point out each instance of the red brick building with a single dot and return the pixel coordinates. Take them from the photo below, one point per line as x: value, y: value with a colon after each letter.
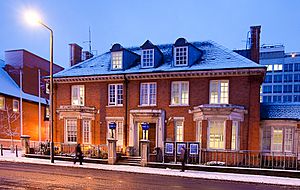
x: 186, y: 91
x: 21, y: 76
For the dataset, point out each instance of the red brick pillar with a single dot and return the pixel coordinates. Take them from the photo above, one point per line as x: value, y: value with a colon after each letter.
x: 204, y: 134
x: 228, y: 134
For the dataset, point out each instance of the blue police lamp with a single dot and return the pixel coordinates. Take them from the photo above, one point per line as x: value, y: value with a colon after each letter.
x: 112, y: 126
x: 145, y: 127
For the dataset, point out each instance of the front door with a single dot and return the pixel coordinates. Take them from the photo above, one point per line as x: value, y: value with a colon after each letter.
x: 150, y: 135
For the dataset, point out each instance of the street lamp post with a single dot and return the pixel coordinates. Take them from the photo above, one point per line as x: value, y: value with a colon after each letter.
x: 33, y: 18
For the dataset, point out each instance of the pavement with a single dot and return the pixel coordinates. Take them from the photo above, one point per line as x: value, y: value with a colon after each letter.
x: 11, y: 157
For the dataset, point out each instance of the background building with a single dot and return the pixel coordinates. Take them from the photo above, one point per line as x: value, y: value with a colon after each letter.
x: 282, y: 81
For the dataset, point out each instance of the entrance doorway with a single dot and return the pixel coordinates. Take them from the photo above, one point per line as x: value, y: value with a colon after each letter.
x: 150, y: 135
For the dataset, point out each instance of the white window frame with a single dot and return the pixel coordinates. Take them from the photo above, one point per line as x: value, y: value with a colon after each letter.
x: 66, y: 130
x: 115, y: 95
x: 223, y: 134
x: 185, y: 59
x: 199, y: 131
x: 86, y: 131
x: 180, y: 93
x: 277, y: 67
x: 117, y: 60
x: 284, y: 139
x: 274, y: 147
x: 2, y: 98
x: 146, y: 60
x: 235, y: 139
x: 16, y: 108
x: 179, y: 133
x: 220, y: 95
x: 288, y: 140
x: 148, y: 95
x: 80, y: 98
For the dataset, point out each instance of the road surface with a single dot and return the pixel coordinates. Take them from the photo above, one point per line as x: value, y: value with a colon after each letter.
x: 35, y: 176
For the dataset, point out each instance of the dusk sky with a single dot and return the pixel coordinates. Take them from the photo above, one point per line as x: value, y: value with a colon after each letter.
x: 131, y: 23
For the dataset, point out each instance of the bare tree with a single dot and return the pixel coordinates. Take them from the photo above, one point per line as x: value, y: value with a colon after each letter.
x: 7, y: 118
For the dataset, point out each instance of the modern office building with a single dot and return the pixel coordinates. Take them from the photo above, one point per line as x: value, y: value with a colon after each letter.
x: 282, y: 81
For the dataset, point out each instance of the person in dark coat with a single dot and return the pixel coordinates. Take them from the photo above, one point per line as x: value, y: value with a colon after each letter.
x: 183, y: 157
x: 78, y: 154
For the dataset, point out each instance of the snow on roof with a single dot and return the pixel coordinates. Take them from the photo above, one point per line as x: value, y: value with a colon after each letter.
x: 215, y: 57
x: 280, y: 111
x: 9, y: 87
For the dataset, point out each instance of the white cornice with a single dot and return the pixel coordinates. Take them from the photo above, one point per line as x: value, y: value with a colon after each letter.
x: 165, y: 75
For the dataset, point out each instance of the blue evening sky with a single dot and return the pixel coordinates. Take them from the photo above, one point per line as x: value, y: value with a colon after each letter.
x: 132, y: 22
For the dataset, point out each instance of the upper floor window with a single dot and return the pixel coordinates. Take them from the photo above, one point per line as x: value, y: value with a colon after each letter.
x: 181, y: 56
x: 296, y: 77
x: 267, y: 89
x: 268, y: 79
x: 117, y: 59
x: 277, y: 78
x: 115, y: 94
x: 15, y: 105
x: 78, y: 95
x: 288, y: 78
x: 47, y: 112
x: 277, y: 89
x: 288, y: 67
x: 288, y: 88
x: 219, y: 92
x: 147, y: 58
x: 287, y: 98
x: 180, y: 93
x: 297, y: 67
x: 269, y: 67
x: 2, y: 103
x: 148, y: 94
x: 277, y: 67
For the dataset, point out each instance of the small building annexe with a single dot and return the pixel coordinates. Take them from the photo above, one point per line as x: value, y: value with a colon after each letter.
x: 186, y: 91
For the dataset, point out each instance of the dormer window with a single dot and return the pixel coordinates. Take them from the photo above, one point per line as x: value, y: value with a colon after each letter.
x: 117, y: 59
x: 181, y: 56
x: 147, y: 58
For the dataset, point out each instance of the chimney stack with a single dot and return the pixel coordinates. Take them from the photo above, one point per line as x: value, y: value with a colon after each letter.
x: 75, y: 54
x: 255, y: 43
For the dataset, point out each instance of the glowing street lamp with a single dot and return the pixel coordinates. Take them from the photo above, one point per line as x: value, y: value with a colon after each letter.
x: 34, y: 19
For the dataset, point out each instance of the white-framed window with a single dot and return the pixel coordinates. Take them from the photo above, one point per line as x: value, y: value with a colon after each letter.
x: 278, y: 139
x: 16, y: 105
x: 78, y: 95
x: 118, y: 133
x: 116, y: 60
x: 219, y: 92
x: 269, y: 67
x: 115, y: 94
x: 2, y: 103
x: 181, y: 56
x: 147, y: 58
x: 180, y: 93
x: 199, y: 131
x: 148, y: 94
x: 47, y: 88
x: 216, y: 134
x: 235, y: 135
x: 86, y: 126
x: 277, y: 67
x: 71, y: 130
x: 178, y: 130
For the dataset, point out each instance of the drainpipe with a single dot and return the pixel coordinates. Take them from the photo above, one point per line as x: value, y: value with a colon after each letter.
x: 126, y: 108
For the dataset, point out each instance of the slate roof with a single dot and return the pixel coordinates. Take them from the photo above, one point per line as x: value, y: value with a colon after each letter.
x: 10, y: 88
x: 215, y: 57
x: 280, y: 111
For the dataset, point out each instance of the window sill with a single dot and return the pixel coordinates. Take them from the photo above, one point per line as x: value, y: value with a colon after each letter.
x: 147, y: 105
x: 179, y: 105
x: 114, y: 106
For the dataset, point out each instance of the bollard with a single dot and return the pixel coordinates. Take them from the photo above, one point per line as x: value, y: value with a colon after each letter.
x: 1, y: 149
x: 16, y: 151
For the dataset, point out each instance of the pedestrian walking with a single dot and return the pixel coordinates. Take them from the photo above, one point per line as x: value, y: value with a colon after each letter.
x: 78, y: 154
x: 183, y: 157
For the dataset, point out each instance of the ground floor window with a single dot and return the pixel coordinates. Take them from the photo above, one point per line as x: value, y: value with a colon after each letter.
x: 71, y: 130
x: 216, y: 134
x: 86, y: 131
x: 178, y: 130
x: 278, y: 139
x: 234, y: 135
x: 199, y: 131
